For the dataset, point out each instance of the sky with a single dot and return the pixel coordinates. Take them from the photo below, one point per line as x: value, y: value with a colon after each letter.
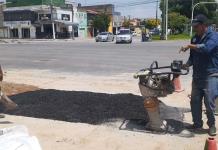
x: 139, y: 11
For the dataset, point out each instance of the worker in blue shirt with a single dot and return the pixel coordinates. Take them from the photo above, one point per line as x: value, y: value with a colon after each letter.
x: 204, y: 59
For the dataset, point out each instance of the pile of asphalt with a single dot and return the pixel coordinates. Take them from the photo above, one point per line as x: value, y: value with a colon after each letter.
x: 93, y: 108
x: 83, y: 107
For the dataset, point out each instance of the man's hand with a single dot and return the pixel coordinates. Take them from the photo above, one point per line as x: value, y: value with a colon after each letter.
x: 184, y: 49
x: 190, y: 46
x: 185, y: 66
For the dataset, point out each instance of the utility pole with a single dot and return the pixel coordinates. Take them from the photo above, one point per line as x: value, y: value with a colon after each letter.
x: 157, y: 13
x: 163, y: 23
x: 166, y: 15
x: 52, y: 20
x: 72, y: 9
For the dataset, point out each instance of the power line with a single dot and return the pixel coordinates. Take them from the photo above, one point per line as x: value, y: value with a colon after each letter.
x: 136, y: 3
x: 133, y: 3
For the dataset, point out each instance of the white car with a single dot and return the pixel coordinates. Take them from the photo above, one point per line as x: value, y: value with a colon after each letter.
x: 124, y: 36
x: 104, y: 37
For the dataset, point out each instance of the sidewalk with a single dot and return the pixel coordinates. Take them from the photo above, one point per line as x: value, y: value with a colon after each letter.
x: 18, y: 41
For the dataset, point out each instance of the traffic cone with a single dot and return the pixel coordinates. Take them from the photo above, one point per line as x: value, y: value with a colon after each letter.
x: 210, y: 144
x: 177, y: 84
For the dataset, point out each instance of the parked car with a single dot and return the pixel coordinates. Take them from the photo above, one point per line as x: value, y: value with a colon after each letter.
x: 154, y: 31
x: 124, y: 36
x: 104, y: 37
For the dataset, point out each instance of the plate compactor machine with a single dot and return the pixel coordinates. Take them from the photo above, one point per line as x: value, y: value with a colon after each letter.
x: 157, y: 82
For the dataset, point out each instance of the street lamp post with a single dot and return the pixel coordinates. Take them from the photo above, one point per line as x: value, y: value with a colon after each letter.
x: 193, y: 9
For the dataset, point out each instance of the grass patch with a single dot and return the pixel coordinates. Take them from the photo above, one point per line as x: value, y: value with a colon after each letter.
x: 173, y: 37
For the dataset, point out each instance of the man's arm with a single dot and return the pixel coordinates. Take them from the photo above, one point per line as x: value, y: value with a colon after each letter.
x: 206, y: 47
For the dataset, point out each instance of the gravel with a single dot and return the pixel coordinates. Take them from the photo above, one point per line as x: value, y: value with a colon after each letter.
x: 83, y: 107
x: 88, y: 107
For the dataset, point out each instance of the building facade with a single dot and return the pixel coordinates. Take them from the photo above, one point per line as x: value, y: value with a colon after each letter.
x: 37, y: 21
x: 81, y: 20
x: 109, y: 9
x: 42, y: 19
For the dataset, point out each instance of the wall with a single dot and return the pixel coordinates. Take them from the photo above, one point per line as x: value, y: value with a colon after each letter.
x: 60, y: 12
x: 116, y: 19
x: 19, y: 25
x: 3, y: 33
x: 59, y: 17
x: 81, y: 19
x: 108, y: 8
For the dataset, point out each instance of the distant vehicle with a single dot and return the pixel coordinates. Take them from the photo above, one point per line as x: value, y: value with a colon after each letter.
x: 104, y: 37
x: 154, y: 31
x: 124, y: 36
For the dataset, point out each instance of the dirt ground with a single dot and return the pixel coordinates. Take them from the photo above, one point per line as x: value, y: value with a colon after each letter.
x: 74, y: 111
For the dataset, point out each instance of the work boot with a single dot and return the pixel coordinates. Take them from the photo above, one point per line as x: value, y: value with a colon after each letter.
x: 212, y: 131
x: 194, y: 127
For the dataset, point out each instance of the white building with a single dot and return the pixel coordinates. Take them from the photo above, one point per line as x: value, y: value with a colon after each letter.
x: 36, y: 22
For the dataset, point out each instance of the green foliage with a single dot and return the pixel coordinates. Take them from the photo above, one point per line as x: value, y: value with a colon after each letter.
x: 184, y: 7
x: 150, y: 23
x: 173, y: 37
x: 127, y: 23
x: 17, y: 3
x: 177, y: 22
x: 101, y: 22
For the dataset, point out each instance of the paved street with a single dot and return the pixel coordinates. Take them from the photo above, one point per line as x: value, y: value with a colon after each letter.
x: 88, y: 57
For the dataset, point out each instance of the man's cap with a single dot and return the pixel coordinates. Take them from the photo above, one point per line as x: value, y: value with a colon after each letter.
x: 199, y: 19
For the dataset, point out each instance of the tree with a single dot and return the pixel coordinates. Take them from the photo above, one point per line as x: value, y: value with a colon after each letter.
x: 126, y: 23
x: 151, y: 23
x: 101, y: 22
x: 184, y: 7
x: 177, y: 22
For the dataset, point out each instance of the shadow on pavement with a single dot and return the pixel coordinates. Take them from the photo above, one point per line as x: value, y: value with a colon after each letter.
x: 93, y: 108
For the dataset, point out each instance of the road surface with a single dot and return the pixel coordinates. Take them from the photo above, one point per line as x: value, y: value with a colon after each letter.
x: 89, y: 57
